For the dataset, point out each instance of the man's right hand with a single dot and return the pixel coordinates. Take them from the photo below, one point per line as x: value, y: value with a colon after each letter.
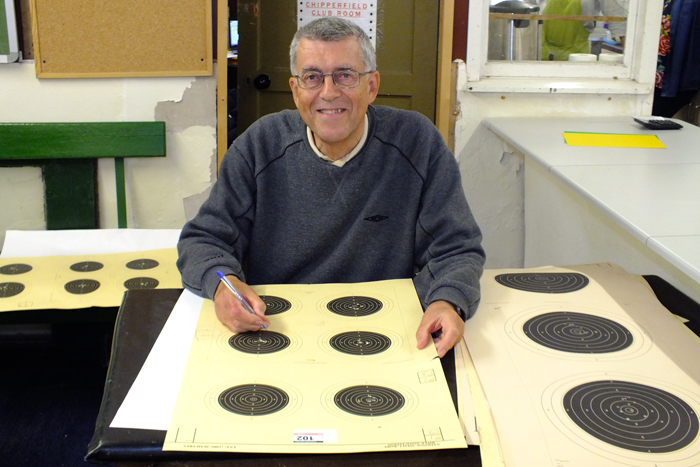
x: 230, y: 311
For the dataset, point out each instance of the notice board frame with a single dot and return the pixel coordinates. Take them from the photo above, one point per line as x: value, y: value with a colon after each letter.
x: 128, y: 38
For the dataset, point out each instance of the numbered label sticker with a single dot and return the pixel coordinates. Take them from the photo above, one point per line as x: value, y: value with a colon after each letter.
x: 307, y: 437
x: 315, y: 436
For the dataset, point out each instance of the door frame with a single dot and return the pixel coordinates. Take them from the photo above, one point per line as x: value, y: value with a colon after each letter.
x: 444, y: 102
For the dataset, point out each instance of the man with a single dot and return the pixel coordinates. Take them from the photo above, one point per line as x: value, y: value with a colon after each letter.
x: 337, y: 191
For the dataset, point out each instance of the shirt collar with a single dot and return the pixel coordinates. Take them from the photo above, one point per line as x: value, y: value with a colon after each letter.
x: 343, y: 160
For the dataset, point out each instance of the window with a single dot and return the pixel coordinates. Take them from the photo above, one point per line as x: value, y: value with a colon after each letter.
x: 487, y: 71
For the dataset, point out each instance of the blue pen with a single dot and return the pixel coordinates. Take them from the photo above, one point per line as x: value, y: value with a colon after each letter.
x: 230, y: 286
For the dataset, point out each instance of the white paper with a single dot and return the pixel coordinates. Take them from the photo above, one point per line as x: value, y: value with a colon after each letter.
x: 26, y: 243
x: 150, y: 401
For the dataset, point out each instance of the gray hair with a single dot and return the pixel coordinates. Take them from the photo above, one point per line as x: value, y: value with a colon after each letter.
x: 333, y: 30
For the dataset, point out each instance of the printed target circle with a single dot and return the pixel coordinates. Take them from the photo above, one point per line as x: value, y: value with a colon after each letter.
x: 354, y: 306
x: 138, y: 283
x: 14, y: 269
x: 82, y: 286
x: 632, y: 416
x: 544, y: 282
x: 259, y: 342
x: 573, y: 332
x: 360, y: 343
x: 10, y: 289
x: 86, y: 266
x: 142, y: 263
x: 275, y: 305
x: 639, y: 420
x: 253, y: 399
x: 369, y: 400
x: 577, y: 332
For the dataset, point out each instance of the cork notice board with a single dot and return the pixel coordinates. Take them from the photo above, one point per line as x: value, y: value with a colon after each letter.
x: 125, y: 38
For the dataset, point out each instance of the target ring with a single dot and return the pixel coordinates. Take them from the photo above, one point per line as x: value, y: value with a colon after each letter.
x: 82, y: 286
x: 10, y: 289
x: 14, y: 269
x: 544, y: 282
x: 275, y: 305
x: 369, y: 400
x: 142, y: 263
x: 354, y: 306
x: 138, y: 283
x: 86, y: 266
x: 632, y: 416
x: 253, y: 399
x: 259, y: 342
x: 360, y: 343
x: 568, y: 331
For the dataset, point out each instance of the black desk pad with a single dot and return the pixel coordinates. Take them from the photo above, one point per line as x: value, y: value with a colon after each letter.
x: 141, y: 317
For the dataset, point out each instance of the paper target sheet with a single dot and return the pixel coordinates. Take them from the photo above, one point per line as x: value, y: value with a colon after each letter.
x: 83, y: 281
x: 583, y: 366
x: 337, y: 371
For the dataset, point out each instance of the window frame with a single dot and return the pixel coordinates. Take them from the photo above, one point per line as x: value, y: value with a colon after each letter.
x: 636, y: 74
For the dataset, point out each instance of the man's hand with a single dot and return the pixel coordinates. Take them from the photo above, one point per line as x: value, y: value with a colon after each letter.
x: 231, y: 312
x: 440, y: 315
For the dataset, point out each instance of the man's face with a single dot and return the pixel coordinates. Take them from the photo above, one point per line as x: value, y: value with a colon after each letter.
x: 334, y: 115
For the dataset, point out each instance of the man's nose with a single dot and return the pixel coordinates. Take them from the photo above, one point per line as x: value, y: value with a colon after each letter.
x: 329, y: 90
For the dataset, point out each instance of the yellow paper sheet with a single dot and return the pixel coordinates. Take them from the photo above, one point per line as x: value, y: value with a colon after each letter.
x: 612, y: 140
x: 582, y: 366
x: 83, y: 281
x: 291, y: 394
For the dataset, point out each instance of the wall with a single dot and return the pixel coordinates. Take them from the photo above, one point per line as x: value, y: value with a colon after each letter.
x: 558, y: 217
x: 492, y: 172
x: 157, y: 188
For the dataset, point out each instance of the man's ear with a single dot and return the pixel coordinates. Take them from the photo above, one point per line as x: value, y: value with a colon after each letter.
x: 373, y: 81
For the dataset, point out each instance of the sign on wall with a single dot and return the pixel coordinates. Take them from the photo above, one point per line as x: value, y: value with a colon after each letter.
x: 362, y: 13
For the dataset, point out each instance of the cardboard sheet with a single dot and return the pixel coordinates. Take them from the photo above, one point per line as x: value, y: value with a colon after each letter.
x: 589, y: 369
x: 83, y: 281
x: 337, y: 371
x: 465, y: 398
x: 611, y: 140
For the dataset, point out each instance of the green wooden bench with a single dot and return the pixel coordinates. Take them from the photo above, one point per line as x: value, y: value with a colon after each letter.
x: 68, y: 153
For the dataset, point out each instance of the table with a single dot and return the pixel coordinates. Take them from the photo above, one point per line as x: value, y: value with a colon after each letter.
x: 639, y: 208
x: 141, y: 317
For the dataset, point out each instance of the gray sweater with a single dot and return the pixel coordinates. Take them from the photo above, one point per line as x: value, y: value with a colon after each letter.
x: 279, y: 214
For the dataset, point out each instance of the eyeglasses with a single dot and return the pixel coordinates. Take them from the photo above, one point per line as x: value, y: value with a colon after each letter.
x: 344, y: 79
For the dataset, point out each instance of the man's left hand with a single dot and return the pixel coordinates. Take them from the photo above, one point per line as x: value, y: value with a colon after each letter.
x: 440, y: 315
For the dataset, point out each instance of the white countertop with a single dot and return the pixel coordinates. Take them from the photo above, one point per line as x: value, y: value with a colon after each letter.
x: 543, y: 140
x: 653, y: 193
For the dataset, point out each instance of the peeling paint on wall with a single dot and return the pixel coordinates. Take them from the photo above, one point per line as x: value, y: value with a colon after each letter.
x: 196, y: 108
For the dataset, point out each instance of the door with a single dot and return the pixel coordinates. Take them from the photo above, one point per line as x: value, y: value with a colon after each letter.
x: 407, y: 51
